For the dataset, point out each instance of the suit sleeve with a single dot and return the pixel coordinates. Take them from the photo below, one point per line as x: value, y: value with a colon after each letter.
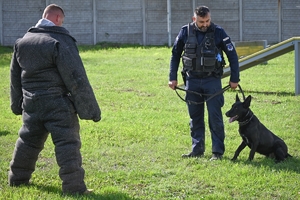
x: 72, y: 71
x: 16, y: 95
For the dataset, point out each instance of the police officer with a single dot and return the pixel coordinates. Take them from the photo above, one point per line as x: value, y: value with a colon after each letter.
x: 201, y: 44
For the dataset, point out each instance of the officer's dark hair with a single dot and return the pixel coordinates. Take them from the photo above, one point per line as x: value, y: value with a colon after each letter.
x: 201, y: 11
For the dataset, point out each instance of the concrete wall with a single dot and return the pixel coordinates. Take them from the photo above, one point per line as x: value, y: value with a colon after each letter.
x: 146, y: 21
x: 290, y: 16
x: 119, y: 21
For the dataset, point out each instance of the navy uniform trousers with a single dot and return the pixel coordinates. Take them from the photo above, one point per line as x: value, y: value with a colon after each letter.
x: 210, y: 86
x: 43, y: 114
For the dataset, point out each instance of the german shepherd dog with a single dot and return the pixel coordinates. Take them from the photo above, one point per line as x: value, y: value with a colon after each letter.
x: 254, y: 134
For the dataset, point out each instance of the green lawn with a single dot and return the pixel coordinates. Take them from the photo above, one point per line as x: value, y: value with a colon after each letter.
x: 134, y: 152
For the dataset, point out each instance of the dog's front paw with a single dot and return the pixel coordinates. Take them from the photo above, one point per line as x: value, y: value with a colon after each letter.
x: 233, y: 159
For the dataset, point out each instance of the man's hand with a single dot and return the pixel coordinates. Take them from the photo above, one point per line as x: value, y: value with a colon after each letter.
x: 233, y: 85
x: 173, y: 84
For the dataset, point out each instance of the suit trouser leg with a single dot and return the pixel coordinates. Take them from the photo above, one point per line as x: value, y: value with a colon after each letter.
x: 54, y: 114
x: 65, y: 136
x: 68, y: 156
x: 28, y: 146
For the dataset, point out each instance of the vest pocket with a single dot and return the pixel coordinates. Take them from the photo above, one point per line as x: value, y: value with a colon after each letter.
x: 187, y: 62
x: 209, y: 64
x: 209, y: 61
x: 190, y: 48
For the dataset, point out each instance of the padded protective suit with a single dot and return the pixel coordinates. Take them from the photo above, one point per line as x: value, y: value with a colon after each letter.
x: 49, y: 87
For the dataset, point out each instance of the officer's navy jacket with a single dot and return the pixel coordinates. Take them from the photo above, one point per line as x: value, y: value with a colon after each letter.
x: 222, y: 41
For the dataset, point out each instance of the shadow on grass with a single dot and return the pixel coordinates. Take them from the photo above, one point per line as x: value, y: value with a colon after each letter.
x: 290, y: 164
x: 3, y: 133
x: 112, y: 45
x: 110, y: 196
x: 282, y: 93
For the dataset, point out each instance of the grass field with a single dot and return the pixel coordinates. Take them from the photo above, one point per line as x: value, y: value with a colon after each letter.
x: 134, y: 152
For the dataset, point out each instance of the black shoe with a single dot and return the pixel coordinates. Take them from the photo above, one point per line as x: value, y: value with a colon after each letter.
x: 192, y: 155
x: 216, y: 156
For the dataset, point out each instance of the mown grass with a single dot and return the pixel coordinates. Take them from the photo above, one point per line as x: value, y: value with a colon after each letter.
x: 135, y: 151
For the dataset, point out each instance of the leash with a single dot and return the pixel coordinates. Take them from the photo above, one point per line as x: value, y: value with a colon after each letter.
x: 210, y: 96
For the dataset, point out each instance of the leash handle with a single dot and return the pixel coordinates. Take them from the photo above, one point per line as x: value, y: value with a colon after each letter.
x: 211, y: 96
x: 240, y: 88
x: 197, y: 93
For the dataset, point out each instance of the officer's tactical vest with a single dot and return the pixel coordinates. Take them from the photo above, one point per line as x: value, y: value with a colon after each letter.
x: 204, y: 57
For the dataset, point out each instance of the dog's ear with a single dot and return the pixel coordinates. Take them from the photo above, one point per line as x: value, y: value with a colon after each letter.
x: 247, y: 102
x: 237, y: 98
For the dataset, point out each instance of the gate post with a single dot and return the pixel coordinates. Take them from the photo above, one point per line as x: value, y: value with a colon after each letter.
x: 297, y: 66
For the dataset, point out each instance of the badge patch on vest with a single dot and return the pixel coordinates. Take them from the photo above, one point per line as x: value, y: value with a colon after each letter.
x: 229, y: 47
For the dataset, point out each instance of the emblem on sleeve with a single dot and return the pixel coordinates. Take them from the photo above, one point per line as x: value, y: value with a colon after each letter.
x: 229, y: 47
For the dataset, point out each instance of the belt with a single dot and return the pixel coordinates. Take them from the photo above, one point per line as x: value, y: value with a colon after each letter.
x: 199, y: 74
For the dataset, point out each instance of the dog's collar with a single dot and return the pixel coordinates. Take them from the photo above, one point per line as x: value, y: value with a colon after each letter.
x: 247, y: 120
